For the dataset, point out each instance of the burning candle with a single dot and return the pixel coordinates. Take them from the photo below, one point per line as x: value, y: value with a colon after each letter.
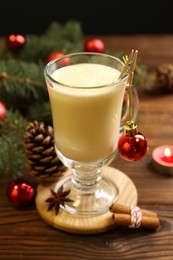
x: 163, y: 159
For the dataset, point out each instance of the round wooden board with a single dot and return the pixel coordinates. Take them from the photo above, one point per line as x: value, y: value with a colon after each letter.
x: 87, y: 225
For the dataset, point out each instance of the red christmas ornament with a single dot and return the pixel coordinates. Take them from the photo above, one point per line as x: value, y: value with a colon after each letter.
x: 20, y: 192
x: 57, y: 54
x: 132, y: 145
x: 15, y: 42
x: 94, y: 45
x: 2, y: 111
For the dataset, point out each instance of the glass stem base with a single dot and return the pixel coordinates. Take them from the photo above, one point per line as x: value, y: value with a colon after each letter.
x: 90, y: 193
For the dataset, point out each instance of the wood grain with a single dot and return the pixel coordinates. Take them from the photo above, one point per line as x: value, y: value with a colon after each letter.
x: 23, y: 233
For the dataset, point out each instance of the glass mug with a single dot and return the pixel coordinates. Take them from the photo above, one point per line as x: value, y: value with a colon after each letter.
x: 86, y: 98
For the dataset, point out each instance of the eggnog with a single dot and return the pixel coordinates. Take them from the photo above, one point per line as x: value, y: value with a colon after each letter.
x: 86, y: 102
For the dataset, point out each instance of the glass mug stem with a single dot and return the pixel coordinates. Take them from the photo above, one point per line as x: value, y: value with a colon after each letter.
x: 86, y: 178
x: 91, y: 194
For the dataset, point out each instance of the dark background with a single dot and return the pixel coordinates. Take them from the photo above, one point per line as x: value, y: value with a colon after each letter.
x: 96, y: 17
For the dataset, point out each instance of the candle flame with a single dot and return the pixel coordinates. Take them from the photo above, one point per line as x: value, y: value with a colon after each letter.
x: 167, y: 152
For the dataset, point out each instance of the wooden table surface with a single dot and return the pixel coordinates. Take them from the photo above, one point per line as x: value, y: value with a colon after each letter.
x: 24, y: 235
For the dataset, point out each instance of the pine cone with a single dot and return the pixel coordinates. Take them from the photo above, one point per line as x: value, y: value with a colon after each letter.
x: 164, y: 76
x: 160, y: 79
x: 40, y: 153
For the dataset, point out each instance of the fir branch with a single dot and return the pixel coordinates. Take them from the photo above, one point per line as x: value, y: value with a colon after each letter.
x: 4, y: 75
x: 12, y: 159
x: 22, y: 83
x: 41, y: 112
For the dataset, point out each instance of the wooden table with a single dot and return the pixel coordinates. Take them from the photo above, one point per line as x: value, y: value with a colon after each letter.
x: 24, y: 235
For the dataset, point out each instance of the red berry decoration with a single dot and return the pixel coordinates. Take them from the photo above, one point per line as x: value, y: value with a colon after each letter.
x: 2, y: 111
x: 20, y: 192
x: 15, y: 42
x: 132, y: 144
x: 94, y: 45
x: 57, y: 54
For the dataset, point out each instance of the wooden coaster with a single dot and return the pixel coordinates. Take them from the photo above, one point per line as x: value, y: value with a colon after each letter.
x: 87, y: 225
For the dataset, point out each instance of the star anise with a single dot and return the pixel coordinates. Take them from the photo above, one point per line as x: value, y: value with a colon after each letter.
x: 58, y: 198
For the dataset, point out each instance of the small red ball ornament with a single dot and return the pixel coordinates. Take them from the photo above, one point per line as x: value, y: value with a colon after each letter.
x: 94, y: 45
x: 15, y: 42
x: 54, y: 55
x: 132, y: 145
x: 20, y: 192
x: 2, y: 111
x: 57, y: 54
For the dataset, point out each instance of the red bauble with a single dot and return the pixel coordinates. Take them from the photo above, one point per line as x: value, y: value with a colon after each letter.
x: 94, y: 45
x: 2, y: 111
x: 20, y: 192
x: 15, y: 42
x: 134, y: 147
x: 57, y: 54
x: 54, y: 55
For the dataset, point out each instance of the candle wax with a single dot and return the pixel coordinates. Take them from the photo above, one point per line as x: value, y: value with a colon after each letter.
x: 168, y: 159
x: 168, y: 155
x: 163, y: 159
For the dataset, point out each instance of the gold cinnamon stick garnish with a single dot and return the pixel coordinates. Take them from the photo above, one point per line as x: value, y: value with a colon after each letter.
x: 127, y: 63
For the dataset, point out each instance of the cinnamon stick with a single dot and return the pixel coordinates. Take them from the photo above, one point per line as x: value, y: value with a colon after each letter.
x: 119, y: 208
x: 146, y: 222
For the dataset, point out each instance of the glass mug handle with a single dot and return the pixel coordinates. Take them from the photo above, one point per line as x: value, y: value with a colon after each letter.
x: 126, y: 108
